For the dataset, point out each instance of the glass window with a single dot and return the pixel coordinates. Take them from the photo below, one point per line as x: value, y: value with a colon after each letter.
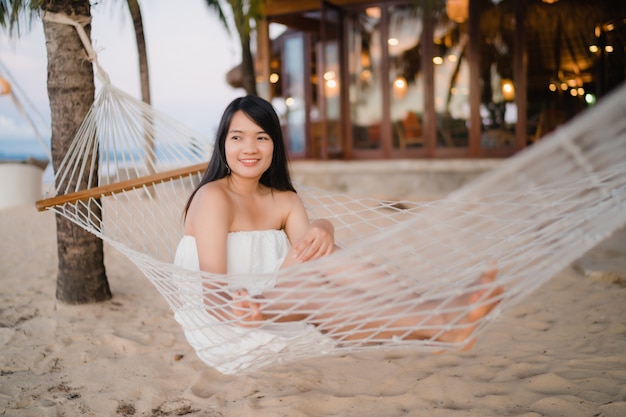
x: 364, y: 67
x: 326, y: 115
x: 405, y: 77
x: 451, y: 74
x: 294, y: 93
x: 498, y: 111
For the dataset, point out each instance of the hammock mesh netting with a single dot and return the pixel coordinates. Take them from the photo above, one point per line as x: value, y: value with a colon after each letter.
x: 410, y: 274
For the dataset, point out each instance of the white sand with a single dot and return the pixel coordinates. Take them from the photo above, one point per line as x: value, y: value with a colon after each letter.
x: 561, y: 352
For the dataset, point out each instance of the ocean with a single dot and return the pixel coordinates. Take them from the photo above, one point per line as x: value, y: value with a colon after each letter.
x: 17, y: 150
x: 21, y: 149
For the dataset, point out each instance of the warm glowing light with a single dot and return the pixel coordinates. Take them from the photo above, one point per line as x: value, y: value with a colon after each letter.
x: 331, y: 87
x: 608, y: 48
x: 437, y: 60
x: 365, y: 60
x: 329, y: 75
x: 366, y: 75
x: 552, y: 87
x: 453, y: 58
x: 609, y: 27
x: 593, y: 48
x: 373, y: 12
x: 457, y: 10
x: 399, y: 87
x: 573, y: 92
x: 393, y: 42
x: 580, y: 91
x: 508, y: 90
x: 571, y: 82
x: 290, y: 101
x: 563, y: 86
x: 274, y: 77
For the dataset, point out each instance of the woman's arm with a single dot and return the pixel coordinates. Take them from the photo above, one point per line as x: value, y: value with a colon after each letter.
x: 309, y: 239
x: 207, y: 220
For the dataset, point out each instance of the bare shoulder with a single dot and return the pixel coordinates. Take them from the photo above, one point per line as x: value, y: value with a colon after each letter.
x: 212, y: 193
x: 211, y: 198
x: 287, y: 199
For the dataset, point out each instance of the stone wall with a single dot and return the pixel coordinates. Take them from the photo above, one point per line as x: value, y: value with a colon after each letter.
x: 391, y: 179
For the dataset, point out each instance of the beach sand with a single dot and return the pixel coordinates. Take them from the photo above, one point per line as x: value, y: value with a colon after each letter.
x: 560, y: 352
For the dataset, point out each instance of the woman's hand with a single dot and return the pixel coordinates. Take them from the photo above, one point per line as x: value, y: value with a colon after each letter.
x: 318, y: 241
x: 246, y: 309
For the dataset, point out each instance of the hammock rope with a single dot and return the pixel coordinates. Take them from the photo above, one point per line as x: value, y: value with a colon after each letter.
x: 404, y: 265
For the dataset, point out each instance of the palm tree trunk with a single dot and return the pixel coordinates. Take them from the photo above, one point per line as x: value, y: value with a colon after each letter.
x: 81, y: 274
x: 247, y: 65
x: 242, y: 24
x: 135, y: 13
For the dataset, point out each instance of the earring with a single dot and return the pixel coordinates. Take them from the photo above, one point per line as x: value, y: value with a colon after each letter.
x: 227, y: 170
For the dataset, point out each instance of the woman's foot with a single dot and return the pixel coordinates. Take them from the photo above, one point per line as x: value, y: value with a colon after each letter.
x: 486, y: 298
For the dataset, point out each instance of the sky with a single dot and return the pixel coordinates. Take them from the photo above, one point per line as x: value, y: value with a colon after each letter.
x: 189, y: 54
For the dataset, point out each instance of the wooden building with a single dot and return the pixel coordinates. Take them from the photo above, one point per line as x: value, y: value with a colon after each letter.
x: 356, y: 79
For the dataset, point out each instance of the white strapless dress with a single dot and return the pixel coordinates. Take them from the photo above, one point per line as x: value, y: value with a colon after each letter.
x: 256, y: 255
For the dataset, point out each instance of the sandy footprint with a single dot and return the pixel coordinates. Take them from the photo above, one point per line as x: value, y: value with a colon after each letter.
x: 128, y: 342
x: 210, y: 383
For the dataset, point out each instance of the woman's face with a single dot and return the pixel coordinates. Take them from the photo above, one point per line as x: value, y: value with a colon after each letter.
x: 248, y: 147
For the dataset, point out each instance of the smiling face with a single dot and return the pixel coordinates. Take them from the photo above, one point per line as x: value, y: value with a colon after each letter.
x: 248, y: 147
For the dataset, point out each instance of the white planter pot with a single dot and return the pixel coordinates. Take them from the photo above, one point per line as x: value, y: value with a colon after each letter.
x: 21, y: 183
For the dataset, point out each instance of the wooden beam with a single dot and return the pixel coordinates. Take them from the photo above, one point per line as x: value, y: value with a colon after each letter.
x: 121, y: 186
x: 262, y: 59
x: 300, y: 22
x: 279, y: 7
x: 473, y: 31
x: 520, y: 75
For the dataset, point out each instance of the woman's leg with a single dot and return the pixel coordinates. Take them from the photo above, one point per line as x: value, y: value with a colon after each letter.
x: 343, y: 318
x: 457, y: 321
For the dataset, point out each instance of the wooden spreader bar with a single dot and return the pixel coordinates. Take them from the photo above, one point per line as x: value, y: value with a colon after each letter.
x: 120, y: 186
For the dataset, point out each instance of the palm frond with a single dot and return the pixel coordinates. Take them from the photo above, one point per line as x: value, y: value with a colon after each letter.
x: 16, y: 15
x: 217, y: 8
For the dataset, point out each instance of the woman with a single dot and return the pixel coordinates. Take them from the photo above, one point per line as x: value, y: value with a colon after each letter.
x: 246, y: 196
x: 246, y: 218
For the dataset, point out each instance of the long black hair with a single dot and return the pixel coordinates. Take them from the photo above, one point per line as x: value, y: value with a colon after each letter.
x: 263, y: 114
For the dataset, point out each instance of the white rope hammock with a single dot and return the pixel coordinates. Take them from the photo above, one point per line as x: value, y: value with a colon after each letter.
x: 404, y: 265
